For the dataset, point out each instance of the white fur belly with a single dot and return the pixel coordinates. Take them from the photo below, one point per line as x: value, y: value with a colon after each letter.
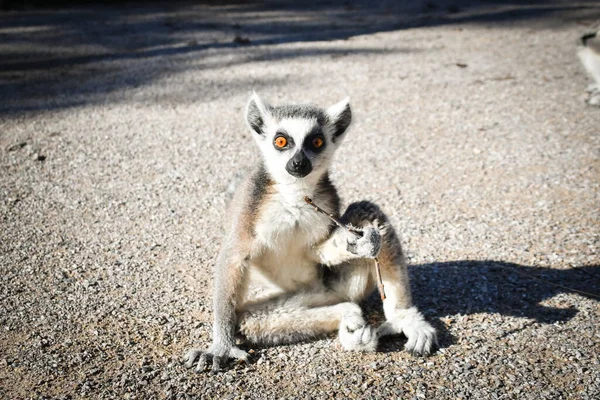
x: 286, y: 232
x: 289, y: 270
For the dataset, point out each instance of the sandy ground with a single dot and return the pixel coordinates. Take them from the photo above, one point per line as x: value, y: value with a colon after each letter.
x: 121, y: 126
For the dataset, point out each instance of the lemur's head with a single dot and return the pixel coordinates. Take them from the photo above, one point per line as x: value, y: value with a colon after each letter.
x: 297, y: 141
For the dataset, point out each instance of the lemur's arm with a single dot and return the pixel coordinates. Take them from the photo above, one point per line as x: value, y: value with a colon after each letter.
x: 344, y: 246
x: 230, y: 273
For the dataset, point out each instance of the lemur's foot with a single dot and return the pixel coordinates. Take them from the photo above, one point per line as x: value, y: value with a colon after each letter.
x: 367, y: 245
x: 420, y: 334
x: 355, y: 334
x: 219, y: 354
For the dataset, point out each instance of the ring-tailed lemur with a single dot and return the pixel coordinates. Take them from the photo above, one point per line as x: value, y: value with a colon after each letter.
x: 286, y: 273
x: 589, y: 54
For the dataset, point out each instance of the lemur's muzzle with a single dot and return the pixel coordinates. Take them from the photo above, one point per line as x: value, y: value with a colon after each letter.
x: 299, y: 166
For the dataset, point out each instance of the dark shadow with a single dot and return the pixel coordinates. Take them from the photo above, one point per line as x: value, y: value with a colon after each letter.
x: 85, y: 84
x: 493, y: 287
x: 77, y: 54
x: 468, y: 287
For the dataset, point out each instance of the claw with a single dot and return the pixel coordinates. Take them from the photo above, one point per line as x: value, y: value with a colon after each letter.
x: 238, y: 354
x: 202, y: 361
x: 190, y: 357
x: 216, y: 367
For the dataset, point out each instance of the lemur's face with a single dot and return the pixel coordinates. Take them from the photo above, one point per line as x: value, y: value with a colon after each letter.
x: 297, y: 141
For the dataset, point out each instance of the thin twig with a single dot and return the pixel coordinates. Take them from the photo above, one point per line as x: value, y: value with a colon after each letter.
x: 379, y: 280
x: 357, y: 233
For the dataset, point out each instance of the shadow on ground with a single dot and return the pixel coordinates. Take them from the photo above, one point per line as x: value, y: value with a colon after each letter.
x: 493, y: 287
x: 74, y: 55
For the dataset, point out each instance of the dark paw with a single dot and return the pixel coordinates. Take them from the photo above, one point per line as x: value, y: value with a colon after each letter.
x: 368, y: 245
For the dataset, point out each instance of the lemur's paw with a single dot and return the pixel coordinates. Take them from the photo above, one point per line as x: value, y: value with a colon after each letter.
x: 594, y: 99
x: 421, y: 336
x: 356, y: 335
x: 367, y: 245
x: 593, y: 87
x: 219, y: 354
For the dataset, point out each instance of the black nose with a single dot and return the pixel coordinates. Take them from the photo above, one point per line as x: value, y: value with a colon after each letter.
x: 299, y: 165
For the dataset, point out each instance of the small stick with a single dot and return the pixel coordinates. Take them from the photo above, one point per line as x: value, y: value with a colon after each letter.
x: 357, y: 233
x: 379, y: 280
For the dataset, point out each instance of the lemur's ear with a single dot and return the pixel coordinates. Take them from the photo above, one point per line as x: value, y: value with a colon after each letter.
x: 340, y: 117
x: 257, y: 113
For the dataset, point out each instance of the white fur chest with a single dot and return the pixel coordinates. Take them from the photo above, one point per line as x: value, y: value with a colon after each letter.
x: 286, y: 229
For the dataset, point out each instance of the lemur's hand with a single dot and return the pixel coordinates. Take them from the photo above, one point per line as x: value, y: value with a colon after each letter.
x: 367, y: 245
x: 219, y: 352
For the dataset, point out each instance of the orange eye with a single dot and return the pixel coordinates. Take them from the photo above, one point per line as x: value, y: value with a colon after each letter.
x: 317, y: 142
x: 280, y: 142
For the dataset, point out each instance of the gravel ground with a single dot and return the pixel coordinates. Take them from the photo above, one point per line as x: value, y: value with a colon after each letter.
x: 120, y: 127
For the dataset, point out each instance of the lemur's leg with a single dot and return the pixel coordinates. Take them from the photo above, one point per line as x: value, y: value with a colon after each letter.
x: 401, y: 315
x: 304, y: 316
